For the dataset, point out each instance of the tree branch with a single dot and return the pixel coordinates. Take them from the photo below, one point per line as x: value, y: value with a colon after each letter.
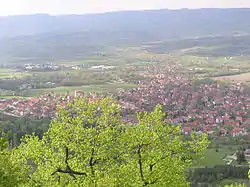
x: 68, y: 170
x: 39, y: 185
x: 92, y: 162
x: 151, y: 166
x: 162, y: 158
x: 145, y: 183
x: 154, y: 181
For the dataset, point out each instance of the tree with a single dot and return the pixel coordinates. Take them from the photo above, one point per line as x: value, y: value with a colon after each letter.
x: 10, y: 173
x: 159, y: 154
x: 240, y: 156
x: 88, y: 145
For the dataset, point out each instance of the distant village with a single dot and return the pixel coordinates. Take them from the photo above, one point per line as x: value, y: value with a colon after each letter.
x: 48, y: 66
x: 38, y: 107
x: 213, y: 108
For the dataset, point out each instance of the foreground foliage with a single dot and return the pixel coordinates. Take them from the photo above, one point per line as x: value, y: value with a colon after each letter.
x: 88, y: 145
x: 10, y: 173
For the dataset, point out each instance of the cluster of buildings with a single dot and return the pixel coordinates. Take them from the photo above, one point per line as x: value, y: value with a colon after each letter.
x: 211, y: 107
x: 48, y: 66
x: 43, y: 106
x: 40, y: 107
x: 214, y: 108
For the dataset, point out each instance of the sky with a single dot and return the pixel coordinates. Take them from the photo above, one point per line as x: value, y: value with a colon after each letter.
x: 59, y: 7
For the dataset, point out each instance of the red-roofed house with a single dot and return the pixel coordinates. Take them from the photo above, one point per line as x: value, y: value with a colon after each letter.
x: 238, y: 132
x: 187, y: 130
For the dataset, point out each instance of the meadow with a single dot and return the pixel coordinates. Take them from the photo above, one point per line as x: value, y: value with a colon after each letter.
x: 213, y: 157
x: 11, y: 73
x: 244, y: 77
x: 89, y: 88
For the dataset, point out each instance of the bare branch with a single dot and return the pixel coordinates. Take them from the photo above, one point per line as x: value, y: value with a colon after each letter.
x: 140, y: 165
x: 39, y: 185
x: 92, y: 162
x: 68, y: 170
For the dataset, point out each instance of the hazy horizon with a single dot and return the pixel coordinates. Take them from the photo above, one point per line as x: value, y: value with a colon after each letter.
x: 63, y: 7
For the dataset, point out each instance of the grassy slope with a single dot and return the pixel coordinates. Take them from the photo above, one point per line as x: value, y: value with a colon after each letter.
x: 244, y: 77
x: 212, y: 157
x: 90, y: 88
x: 10, y: 73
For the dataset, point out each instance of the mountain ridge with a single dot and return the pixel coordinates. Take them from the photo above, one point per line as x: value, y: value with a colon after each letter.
x: 72, y: 37
x: 209, y: 21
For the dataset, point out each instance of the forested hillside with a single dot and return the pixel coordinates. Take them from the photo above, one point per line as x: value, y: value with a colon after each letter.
x: 155, y: 23
x: 39, y: 38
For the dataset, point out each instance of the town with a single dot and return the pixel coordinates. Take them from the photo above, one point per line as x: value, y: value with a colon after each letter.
x: 210, y: 107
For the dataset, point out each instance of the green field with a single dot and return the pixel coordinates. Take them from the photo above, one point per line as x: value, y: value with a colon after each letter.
x: 86, y: 61
x: 212, y: 157
x: 13, y: 97
x: 87, y: 89
x: 10, y: 73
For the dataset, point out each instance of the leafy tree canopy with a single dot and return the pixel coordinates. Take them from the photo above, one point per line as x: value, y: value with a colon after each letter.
x: 89, y: 145
x: 10, y: 173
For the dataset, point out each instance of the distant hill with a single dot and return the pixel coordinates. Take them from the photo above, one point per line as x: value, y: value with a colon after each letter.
x: 43, y: 37
x: 161, y: 23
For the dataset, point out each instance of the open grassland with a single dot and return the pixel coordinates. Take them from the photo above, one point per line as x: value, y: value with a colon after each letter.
x: 238, y: 62
x: 86, y: 89
x: 90, y: 61
x: 212, y: 157
x: 13, y: 97
x: 117, y: 56
x: 244, y: 77
x: 236, y: 68
x: 10, y: 73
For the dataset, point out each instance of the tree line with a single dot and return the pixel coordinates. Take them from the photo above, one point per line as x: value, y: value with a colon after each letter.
x: 214, y: 175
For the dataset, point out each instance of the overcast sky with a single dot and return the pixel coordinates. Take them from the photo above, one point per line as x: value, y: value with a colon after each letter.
x: 58, y: 7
